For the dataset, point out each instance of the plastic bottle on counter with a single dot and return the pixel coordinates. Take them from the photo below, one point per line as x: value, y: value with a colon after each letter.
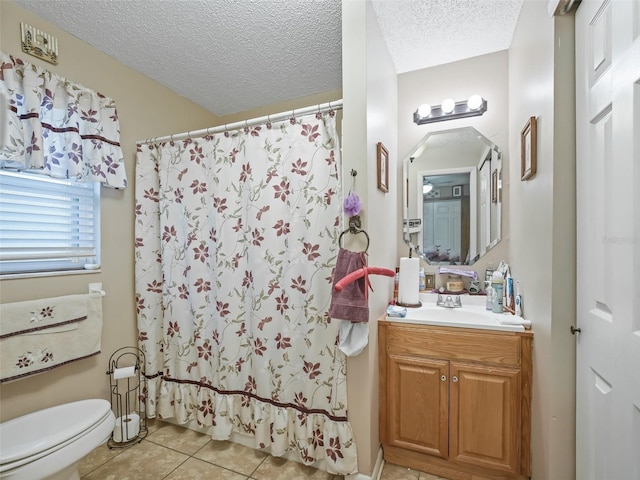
x: 518, y: 301
x: 422, y: 281
x: 489, y: 292
x: 497, y: 285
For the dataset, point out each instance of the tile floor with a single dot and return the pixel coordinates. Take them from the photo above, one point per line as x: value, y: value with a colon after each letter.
x: 170, y: 452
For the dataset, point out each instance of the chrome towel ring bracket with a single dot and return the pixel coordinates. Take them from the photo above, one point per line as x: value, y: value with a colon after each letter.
x: 354, y: 228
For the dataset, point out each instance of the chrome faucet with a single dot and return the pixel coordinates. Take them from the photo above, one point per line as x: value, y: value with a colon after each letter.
x: 449, y: 301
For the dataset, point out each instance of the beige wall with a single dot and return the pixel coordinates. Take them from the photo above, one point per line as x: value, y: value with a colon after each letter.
x: 146, y: 109
x: 542, y: 229
x: 485, y: 75
x: 370, y: 104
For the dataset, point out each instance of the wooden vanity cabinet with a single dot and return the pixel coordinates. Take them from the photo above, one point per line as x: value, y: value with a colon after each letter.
x: 455, y: 402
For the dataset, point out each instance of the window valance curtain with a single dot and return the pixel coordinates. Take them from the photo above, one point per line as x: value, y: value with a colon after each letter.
x: 59, y: 127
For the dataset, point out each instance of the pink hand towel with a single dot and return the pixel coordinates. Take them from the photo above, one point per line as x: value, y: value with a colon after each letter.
x: 350, y: 303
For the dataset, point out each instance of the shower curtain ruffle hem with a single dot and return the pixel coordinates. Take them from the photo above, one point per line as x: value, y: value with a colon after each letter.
x: 314, y: 435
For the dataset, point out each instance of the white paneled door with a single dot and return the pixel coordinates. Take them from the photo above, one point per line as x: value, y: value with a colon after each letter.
x: 608, y: 240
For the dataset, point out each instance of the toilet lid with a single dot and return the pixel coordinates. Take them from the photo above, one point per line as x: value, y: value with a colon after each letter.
x: 31, y: 434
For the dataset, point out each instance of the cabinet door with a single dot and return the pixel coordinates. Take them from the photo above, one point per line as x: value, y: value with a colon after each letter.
x: 485, y: 416
x: 417, y: 391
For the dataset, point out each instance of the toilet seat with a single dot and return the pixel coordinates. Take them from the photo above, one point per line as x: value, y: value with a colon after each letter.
x: 61, y: 425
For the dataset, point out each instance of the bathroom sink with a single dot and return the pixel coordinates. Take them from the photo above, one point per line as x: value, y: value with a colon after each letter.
x: 472, y: 314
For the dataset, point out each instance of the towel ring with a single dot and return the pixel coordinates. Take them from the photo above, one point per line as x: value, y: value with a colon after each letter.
x: 354, y: 231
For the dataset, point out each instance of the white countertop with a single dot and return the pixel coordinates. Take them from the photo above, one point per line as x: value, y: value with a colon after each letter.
x: 472, y: 314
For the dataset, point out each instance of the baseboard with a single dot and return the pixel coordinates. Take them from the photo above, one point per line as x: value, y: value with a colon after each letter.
x: 377, y: 470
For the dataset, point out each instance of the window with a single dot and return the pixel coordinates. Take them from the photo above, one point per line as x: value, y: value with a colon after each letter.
x: 47, y: 224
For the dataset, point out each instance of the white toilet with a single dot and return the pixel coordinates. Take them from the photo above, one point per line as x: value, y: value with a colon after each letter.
x: 50, y: 443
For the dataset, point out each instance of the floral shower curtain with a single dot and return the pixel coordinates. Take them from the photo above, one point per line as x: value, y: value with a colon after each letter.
x: 236, y: 240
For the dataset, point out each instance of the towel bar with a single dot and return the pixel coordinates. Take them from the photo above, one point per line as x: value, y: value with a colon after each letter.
x: 97, y: 288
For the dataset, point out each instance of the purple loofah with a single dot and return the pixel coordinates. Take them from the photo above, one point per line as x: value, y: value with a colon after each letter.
x: 352, y: 205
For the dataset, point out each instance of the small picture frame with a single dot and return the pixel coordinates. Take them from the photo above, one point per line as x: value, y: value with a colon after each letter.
x: 494, y: 186
x: 529, y: 149
x: 457, y: 191
x: 383, y: 168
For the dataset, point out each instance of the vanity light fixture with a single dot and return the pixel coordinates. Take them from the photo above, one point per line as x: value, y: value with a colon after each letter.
x: 424, y: 110
x: 448, y: 105
x: 474, y: 102
x: 449, y: 110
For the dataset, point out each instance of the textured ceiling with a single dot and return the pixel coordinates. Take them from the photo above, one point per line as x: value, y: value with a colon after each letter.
x: 234, y: 55
x: 425, y: 33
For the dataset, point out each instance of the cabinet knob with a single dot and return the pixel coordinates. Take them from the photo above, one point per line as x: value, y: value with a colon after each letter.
x: 443, y: 378
x: 455, y: 379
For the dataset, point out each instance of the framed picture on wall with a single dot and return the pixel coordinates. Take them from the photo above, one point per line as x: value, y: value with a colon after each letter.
x: 383, y: 168
x: 528, y: 149
x: 457, y: 191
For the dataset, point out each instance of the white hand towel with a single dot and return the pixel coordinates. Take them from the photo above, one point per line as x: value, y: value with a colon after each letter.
x: 353, y: 337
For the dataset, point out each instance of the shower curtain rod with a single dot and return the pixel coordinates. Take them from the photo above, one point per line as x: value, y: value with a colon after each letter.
x: 276, y: 117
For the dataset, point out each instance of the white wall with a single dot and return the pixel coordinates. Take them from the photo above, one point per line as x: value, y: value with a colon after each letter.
x: 542, y: 229
x: 486, y: 75
x: 370, y: 96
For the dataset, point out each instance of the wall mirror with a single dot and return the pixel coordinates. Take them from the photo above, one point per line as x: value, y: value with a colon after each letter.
x: 452, y: 199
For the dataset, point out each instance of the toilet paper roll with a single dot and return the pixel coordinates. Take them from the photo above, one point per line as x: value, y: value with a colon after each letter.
x: 126, y: 428
x: 124, y: 372
x: 408, y: 282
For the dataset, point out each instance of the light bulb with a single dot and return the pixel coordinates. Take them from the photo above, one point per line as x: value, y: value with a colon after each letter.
x: 448, y: 105
x: 474, y: 102
x: 426, y: 188
x: 424, y: 110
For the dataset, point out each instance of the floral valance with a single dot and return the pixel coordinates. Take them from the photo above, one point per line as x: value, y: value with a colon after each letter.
x: 59, y: 127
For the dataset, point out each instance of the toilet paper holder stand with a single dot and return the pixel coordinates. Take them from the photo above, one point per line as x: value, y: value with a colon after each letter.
x: 127, y: 384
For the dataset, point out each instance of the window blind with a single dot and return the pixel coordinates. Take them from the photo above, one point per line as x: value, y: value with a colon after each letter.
x: 47, y: 224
